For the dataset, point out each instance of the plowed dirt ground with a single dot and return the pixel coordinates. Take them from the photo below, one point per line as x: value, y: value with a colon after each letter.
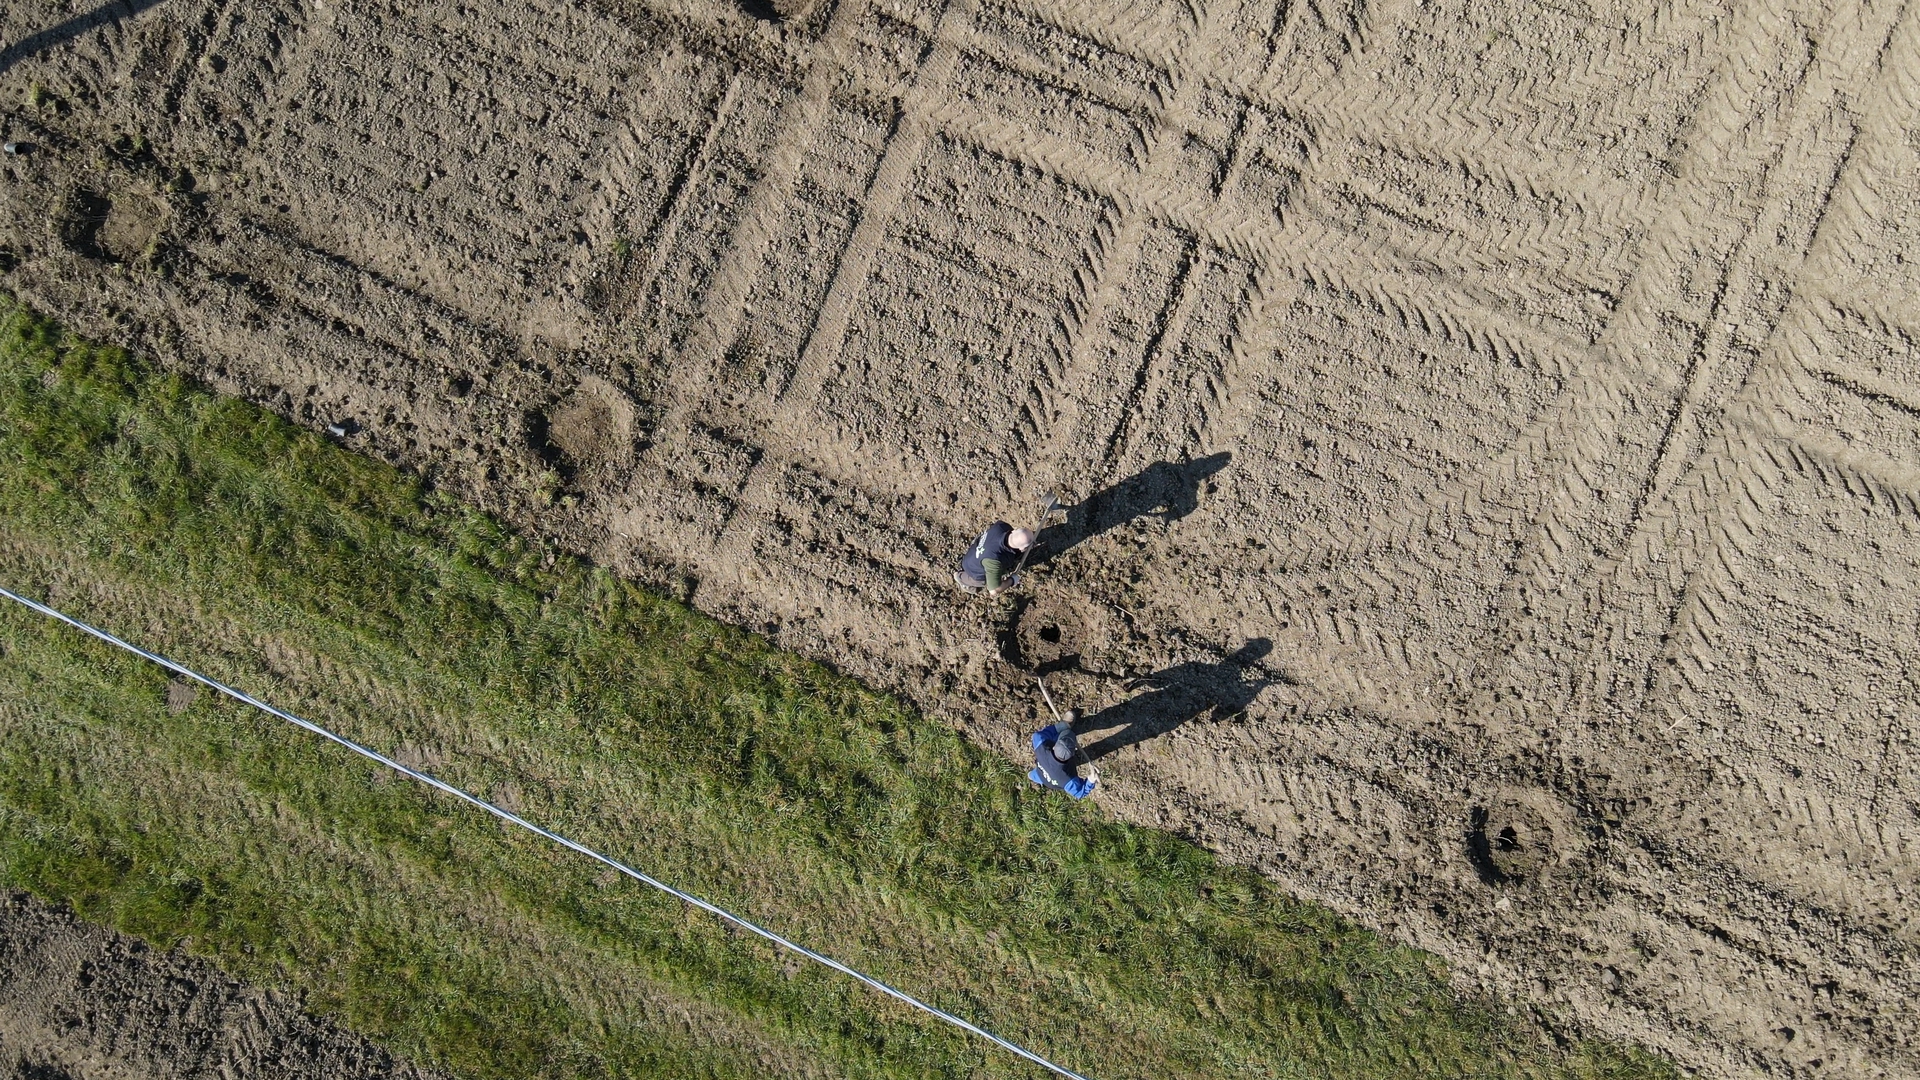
x: 1494, y: 428
x: 79, y: 1002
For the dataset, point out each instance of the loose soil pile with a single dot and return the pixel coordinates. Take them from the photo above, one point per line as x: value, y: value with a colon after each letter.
x: 1494, y: 429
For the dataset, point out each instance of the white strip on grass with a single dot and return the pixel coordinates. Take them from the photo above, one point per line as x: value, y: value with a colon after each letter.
x: 516, y: 819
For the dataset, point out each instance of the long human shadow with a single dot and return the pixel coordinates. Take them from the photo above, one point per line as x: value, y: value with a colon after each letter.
x: 1169, y: 490
x: 1177, y: 695
x: 111, y: 12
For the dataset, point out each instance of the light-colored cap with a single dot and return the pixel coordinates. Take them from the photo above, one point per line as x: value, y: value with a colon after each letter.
x: 1020, y: 539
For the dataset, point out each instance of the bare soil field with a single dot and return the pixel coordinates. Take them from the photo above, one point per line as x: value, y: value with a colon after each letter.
x: 78, y: 1002
x: 1494, y: 429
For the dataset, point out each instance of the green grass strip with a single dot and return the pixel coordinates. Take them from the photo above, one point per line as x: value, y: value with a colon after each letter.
x: 340, y: 589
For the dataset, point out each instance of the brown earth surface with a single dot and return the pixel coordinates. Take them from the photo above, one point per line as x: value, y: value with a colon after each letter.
x: 79, y: 1002
x: 1493, y: 428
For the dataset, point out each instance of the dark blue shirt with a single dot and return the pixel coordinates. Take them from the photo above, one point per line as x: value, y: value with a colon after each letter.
x: 991, y: 545
x: 1050, y: 771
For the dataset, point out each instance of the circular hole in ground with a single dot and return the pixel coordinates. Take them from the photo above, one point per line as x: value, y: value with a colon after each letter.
x: 1046, y: 635
x: 1509, y: 841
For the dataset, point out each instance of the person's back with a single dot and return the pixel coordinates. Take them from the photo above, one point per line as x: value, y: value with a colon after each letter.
x: 1053, y: 751
x: 989, y: 563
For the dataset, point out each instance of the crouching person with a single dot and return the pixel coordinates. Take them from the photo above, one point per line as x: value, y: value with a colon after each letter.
x: 1054, y: 748
x: 990, y: 563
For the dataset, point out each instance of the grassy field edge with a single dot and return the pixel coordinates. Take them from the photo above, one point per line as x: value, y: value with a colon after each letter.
x: 342, y: 589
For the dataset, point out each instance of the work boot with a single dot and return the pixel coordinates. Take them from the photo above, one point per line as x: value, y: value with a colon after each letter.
x: 960, y: 579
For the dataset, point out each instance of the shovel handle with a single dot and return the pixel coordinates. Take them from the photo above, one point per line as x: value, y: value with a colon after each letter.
x: 1046, y: 514
x: 1048, y: 698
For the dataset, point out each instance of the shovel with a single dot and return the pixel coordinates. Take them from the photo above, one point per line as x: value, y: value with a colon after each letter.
x: 1049, y: 506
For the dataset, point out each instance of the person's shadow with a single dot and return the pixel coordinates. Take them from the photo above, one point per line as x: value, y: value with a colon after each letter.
x: 110, y: 12
x: 1168, y: 489
x: 1177, y: 695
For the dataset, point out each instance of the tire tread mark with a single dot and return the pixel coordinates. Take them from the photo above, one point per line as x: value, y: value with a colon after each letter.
x: 1608, y: 423
x: 1162, y: 140
x: 903, y: 152
x: 686, y: 186
x: 745, y: 258
x: 1327, y: 257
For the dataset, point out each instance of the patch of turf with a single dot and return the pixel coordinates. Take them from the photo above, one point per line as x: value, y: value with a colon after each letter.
x: 341, y: 589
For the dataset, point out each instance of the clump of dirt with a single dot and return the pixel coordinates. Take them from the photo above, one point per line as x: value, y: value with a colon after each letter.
x: 593, y: 427
x: 132, y: 227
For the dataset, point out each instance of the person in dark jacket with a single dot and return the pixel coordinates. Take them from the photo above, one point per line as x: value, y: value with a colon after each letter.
x: 989, y: 563
x: 1054, y: 747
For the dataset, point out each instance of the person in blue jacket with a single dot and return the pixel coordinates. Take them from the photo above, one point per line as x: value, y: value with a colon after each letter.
x: 1053, y: 750
x: 989, y: 563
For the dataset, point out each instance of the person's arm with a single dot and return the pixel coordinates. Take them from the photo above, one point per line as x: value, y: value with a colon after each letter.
x: 991, y: 567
